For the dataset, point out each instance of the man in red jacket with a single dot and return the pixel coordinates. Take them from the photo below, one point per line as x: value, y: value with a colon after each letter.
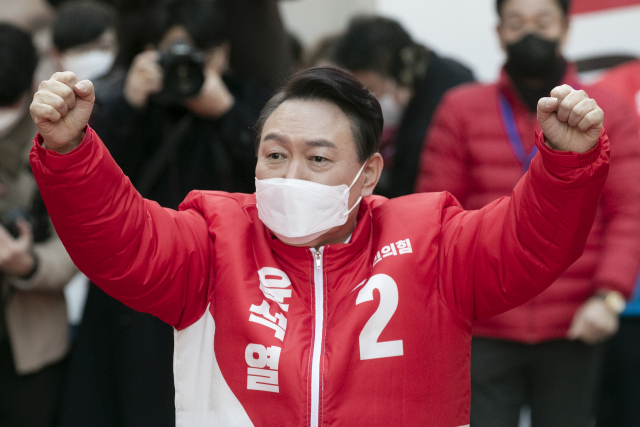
x: 620, y: 384
x: 312, y: 302
x: 543, y: 353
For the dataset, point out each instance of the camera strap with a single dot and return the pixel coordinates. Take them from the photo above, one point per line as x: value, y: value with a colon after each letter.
x: 159, y: 162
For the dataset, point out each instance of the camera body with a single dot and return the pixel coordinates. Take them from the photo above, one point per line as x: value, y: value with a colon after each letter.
x: 10, y: 220
x: 183, y: 68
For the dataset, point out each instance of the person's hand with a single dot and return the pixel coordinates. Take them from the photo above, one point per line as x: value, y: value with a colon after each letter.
x: 144, y: 79
x: 570, y: 120
x: 593, y: 323
x: 15, y: 254
x: 61, y: 109
x: 214, y: 99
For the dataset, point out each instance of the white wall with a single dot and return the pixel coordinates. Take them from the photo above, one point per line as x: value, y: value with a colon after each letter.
x: 462, y: 29
x: 311, y: 19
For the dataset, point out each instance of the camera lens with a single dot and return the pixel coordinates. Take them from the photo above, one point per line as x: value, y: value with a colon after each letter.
x: 183, y: 71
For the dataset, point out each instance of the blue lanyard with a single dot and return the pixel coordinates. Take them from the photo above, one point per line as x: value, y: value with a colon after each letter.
x: 511, y: 128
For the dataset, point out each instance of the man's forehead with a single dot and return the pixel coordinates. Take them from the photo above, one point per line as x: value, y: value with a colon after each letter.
x: 315, y: 123
x: 516, y: 8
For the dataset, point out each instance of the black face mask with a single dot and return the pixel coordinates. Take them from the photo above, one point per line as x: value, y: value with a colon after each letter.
x: 532, y: 57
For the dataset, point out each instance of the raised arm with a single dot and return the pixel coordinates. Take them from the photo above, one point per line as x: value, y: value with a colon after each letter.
x: 499, y: 257
x: 153, y: 259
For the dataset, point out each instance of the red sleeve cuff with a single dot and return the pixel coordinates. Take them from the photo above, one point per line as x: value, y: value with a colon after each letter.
x: 569, y: 159
x: 56, y: 161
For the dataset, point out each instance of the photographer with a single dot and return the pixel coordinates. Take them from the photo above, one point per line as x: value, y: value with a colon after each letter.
x: 34, y: 266
x: 181, y: 93
x: 182, y: 122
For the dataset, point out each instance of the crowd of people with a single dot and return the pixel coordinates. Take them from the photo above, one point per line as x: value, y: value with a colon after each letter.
x: 179, y: 90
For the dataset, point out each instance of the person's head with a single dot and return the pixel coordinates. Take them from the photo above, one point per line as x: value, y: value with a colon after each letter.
x: 84, y: 38
x: 323, y: 126
x: 533, y: 34
x: 18, y: 62
x: 198, y: 23
x: 382, y: 55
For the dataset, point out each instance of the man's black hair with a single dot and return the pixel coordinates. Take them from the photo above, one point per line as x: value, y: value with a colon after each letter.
x: 80, y: 22
x: 18, y: 61
x: 564, y: 4
x: 203, y: 20
x: 375, y: 43
x: 341, y: 89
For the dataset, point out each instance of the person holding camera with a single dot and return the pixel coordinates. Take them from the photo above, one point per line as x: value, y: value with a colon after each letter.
x: 182, y: 122
x: 34, y: 266
x: 180, y: 92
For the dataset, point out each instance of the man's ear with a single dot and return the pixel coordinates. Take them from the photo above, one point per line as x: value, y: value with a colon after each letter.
x: 371, y: 172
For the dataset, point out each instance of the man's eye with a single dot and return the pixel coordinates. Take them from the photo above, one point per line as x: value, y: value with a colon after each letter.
x: 318, y: 159
x: 275, y: 156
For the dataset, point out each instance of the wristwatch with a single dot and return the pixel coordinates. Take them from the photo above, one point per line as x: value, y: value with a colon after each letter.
x: 614, y: 301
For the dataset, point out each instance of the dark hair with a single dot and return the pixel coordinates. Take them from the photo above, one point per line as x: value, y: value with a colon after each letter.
x: 80, y: 22
x: 133, y: 28
x: 375, y: 43
x: 340, y: 88
x: 18, y: 61
x: 202, y: 19
x: 564, y: 4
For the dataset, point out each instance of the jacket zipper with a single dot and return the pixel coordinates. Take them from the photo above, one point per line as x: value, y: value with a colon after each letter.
x: 317, y: 338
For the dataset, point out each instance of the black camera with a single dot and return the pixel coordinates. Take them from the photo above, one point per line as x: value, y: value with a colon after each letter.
x: 183, y: 68
x: 10, y: 220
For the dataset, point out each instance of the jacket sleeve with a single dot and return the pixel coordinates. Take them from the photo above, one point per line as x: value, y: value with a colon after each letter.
x: 154, y: 260
x: 443, y: 163
x: 499, y: 257
x: 620, y: 255
x: 55, y: 269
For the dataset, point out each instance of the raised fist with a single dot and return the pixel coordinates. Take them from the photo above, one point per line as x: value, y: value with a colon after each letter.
x: 61, y: 109
x: 570, y: 120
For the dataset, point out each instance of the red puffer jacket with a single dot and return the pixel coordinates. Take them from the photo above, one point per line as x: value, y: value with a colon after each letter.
x: 374, y: 332
x: 468, y: 153
x: 625, y: 82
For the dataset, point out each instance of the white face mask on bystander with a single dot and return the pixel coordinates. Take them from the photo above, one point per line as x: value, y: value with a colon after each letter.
x: 299, y: 211
x: 89, y: 65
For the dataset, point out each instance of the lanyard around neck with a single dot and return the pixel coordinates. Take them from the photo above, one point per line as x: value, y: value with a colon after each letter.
x: 513, y: 135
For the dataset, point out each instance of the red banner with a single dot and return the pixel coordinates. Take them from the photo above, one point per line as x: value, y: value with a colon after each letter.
x: 586, y: 6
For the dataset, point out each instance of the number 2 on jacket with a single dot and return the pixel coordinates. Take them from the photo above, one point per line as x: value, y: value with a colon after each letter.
x: 370, y: 348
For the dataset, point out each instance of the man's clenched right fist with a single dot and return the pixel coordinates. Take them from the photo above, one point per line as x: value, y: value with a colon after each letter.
x: 61, y: 109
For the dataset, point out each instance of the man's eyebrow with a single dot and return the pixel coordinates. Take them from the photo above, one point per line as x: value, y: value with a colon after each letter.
x: 275, y: 137
x: 321, y: 143
x: 311, y: 143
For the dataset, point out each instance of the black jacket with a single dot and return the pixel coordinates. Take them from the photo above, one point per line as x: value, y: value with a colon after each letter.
x: 209, y: 154
x: 442, y: 75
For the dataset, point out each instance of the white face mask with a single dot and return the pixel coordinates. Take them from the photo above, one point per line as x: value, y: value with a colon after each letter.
x: 11, y: 116
x: 299, y: 211
x: 89, y: 65
x: 392, y: 111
